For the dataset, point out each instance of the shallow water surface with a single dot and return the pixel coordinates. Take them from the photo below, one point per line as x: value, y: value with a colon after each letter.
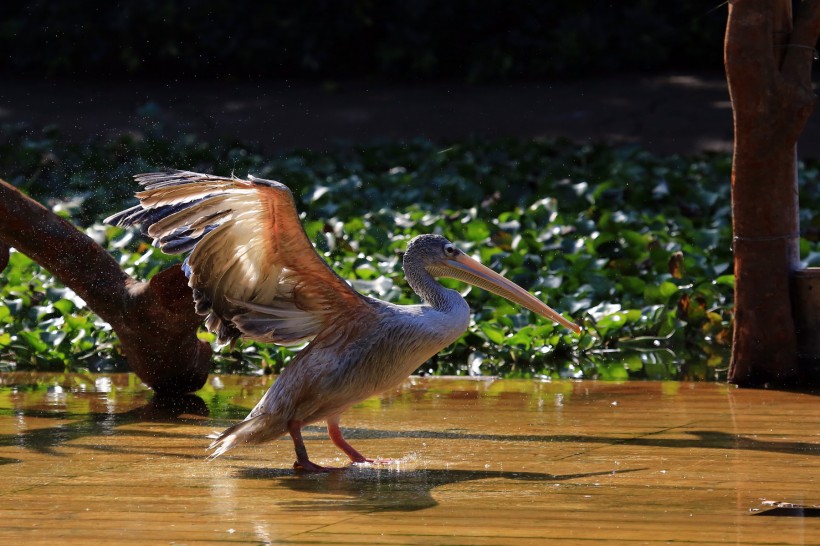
x: 100, y: 458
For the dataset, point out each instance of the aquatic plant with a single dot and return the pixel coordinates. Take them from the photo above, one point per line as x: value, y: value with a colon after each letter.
x: 633, y: 246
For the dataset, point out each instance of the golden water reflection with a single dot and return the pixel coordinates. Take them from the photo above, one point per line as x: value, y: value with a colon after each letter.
x: 85, y: 457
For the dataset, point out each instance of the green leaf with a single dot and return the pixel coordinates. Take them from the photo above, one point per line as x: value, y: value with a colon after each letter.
x: 66, y: 307
x: 493, y: 331
x: 32, y: 339
x: 667, y: 289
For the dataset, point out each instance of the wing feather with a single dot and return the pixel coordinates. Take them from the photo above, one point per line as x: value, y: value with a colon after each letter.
x: 252, y: 267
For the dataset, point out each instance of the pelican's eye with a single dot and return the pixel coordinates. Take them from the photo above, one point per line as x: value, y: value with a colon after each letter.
x: 450, y: 250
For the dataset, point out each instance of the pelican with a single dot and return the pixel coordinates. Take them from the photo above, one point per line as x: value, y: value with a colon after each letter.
x: 255, y: 274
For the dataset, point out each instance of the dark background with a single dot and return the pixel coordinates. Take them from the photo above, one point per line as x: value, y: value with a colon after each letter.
x: 395, y: 40
x: 318, y: 75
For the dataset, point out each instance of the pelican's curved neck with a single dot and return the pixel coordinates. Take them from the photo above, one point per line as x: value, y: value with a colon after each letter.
x: 429, y: 289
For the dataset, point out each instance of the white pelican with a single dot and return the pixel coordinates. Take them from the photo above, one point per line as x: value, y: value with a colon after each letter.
x: 255, y: 274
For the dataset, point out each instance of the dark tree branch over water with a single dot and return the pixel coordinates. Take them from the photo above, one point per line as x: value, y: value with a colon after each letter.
x: 155, y: 320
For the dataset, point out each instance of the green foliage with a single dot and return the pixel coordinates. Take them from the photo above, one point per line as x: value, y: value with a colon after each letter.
x: 44, y: 325
x: 423, y: 39
x: 634, y: 247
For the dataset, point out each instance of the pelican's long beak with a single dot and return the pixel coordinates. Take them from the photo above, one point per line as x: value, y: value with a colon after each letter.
x: 464, y: 268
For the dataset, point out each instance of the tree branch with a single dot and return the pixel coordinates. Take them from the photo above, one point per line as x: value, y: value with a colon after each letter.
x: 800, y: 51
x: 768, y: 58
x: 4, y: 256
x: 770, y: 109
x: 748, y: 55
x: 155, y: 321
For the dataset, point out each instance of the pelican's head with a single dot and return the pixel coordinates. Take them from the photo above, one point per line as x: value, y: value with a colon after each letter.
x: 441, y: 258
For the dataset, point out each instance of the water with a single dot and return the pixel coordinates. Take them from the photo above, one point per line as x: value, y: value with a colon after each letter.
x: 88, y: 458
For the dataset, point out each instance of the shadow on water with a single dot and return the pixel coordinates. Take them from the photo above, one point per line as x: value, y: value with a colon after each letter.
x: 176, y: 408
x: 370, y: 489
x: 703, y: 439
x: 159, y: 409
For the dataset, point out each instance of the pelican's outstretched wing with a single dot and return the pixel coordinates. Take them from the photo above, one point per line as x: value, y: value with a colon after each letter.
x: 252, y: 267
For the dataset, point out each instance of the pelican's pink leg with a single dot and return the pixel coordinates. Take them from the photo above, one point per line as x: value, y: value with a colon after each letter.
x: 335, y: 434
x: 302, y: 461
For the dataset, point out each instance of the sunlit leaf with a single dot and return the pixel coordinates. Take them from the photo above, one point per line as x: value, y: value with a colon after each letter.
x: 493, y: 332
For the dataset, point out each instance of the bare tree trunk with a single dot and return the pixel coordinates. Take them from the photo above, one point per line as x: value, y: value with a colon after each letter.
x: 4, y: 256
x: 768, y: 67
x: 155, y: 321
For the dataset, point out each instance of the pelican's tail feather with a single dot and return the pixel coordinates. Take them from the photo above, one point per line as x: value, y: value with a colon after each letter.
x: 255, y: 430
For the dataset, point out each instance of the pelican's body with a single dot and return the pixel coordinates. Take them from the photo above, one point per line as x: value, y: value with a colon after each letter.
x: 330, y: 375
x: 255, y: 274
x: 361, y: 358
